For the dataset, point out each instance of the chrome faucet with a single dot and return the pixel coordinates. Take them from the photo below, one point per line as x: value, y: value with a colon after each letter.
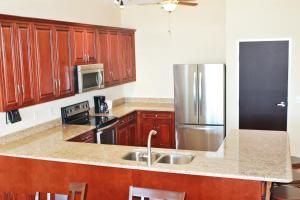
x: 149, y: 156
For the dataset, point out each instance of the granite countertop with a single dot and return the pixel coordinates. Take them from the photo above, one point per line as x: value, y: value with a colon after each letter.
x: 244, y: 154
x: 129, y: 107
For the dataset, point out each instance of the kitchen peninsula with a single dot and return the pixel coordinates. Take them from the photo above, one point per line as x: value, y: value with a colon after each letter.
x: 240, y: 169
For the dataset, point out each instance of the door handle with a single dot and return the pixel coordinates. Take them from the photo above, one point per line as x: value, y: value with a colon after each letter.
x: 281, y: 104
x: 195, y: 93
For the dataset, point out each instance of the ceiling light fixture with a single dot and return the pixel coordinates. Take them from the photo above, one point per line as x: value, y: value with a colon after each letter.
x: 122, y: 4
x: 170, y: 5
x: 116, y: 2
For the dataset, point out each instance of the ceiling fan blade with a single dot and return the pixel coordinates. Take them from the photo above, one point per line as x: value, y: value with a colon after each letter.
x: 187, y: 3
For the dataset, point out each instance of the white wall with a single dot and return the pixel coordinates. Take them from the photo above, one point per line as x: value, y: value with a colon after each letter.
x: 101, y: 12
x: 260, y: 19
x: 198, y: 36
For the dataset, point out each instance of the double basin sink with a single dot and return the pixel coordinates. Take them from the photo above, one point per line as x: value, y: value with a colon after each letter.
x: 175, y: 159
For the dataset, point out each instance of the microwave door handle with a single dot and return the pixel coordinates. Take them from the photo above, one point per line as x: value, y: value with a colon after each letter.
x: 97, y: 79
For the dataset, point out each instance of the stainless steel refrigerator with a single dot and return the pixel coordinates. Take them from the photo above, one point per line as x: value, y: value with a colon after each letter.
x: 199, y: 106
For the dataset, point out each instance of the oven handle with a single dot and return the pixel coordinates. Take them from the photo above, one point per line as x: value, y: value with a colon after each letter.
x: 109, y: 126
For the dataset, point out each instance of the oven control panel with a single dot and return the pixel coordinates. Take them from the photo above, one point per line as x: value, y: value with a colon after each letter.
x: 75, y: 109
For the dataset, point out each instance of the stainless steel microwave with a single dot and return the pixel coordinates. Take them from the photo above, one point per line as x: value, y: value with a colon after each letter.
x: 89, y: 77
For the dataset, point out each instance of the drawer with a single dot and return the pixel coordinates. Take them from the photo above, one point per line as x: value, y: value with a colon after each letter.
x: 159, y: 115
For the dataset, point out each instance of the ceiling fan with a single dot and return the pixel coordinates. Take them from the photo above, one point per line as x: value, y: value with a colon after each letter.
x: 168, y: 5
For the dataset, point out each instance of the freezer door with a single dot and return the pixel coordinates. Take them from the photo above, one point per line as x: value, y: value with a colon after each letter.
x: 211, y: 94
x: 202, y: 138
x: 186, y: 94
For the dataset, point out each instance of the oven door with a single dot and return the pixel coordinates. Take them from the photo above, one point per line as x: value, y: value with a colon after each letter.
x: 107, y: 135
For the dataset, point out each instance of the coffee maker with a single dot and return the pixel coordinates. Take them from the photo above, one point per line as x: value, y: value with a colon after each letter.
x: 100, y: 104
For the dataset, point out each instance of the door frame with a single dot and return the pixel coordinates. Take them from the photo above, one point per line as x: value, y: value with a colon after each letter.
x: 289, y: 71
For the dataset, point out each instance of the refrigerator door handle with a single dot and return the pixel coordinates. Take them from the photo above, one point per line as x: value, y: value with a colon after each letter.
x: 195, y: 93
x: 200, y: 93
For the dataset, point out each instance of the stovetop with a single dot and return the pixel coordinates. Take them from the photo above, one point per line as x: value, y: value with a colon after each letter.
x: 102, y: 121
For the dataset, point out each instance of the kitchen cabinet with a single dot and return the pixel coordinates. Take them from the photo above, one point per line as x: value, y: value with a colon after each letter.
x: 45, y: 64
x: 127, y: 130
x: 84, y: 41
x: 116, y: 51
x: 53, y: 62
x: 64, y: 69
x: 127, y: 56
x: 16, y: 73
x: 163, y: 123
x: 87, y: 137
x: 37, y: 57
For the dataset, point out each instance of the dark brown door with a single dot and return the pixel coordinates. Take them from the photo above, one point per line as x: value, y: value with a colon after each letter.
x: 103, y: 54
x: 263, y: 85
x: 45, y: 66
x: 90, y: 45
x: 8, y: 69
x: 114, y: 58
x: 63, y: 62
x: 79, y: 56
x: 25, y: 55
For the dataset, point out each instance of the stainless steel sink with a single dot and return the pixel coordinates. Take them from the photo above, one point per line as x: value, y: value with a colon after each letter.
x: 177, y: 159
x: 140, y: 156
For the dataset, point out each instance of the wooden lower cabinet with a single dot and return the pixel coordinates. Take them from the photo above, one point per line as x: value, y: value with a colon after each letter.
x: 104, y: 183
x: 127, y: 130
x: 88, y: 137
x: 163, y: 123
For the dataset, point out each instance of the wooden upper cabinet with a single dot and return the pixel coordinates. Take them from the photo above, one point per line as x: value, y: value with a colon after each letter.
x: 84, y: 45
x: 114, y: 58
x: 25, y: 60
x: 103, y: 55
x: 64, y: 68
x: 10, y: 88
x: 45, y: 65
x: 91, y: 45
x: 131, y: 57
x: 79, y: 51
x: 127, y: 56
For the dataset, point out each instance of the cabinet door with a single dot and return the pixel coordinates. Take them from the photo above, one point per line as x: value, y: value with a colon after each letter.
x: 79, y: 56
x: 25, y: 58
x: 122, y: 135
x: 90, y: 46
x: 123, y: 57
x: 114, y: 58
x: 132, y: 133
x: 103, y: 55
x: 148, y: 124
x: 164, y: 133
x: 45, y: 66
x: 63, y: 62
x: 10, y: 89
x: 130, y: 43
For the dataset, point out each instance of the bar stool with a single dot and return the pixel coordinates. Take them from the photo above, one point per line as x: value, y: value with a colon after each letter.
x: 295, y: 162
x: 154, y: 194
x: 78, y: 188
x: 285, y: 192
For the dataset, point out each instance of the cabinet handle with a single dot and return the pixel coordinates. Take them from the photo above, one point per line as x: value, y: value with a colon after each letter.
x: 58, y: 82
x: 156, y: 115
x: 23, y: 91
